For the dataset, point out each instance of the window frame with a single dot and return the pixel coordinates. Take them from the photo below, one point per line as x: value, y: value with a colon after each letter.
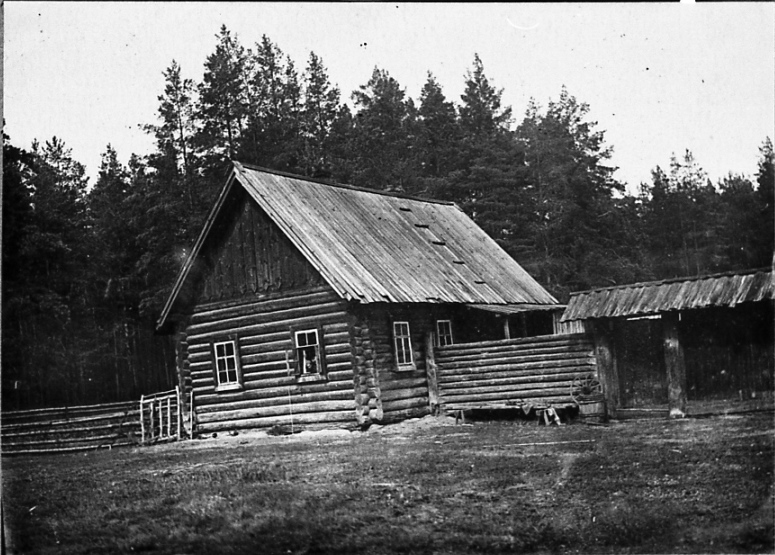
x: 232, y: 385
x: 410, y: 365
x: 320, y: 374
x: 439, y: 335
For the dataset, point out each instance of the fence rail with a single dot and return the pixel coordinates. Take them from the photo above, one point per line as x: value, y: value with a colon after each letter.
x: 68, y: 429
x: 537, y: 371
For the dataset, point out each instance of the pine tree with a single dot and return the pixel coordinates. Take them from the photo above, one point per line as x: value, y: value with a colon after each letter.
x: 223, y: 103
x: 383, y: 132
x: 438, y: 133
x: 319, y: 112
x: 765, y: 192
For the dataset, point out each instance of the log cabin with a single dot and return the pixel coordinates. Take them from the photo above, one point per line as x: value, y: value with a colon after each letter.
x: 683, y: 346
x: 311, y: 305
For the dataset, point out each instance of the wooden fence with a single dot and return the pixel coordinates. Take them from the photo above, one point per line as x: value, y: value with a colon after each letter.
x: 161, y: 418
x: 531, y: 372
x: 67, y: 429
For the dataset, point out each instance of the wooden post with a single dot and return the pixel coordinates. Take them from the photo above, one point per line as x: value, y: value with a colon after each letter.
x: 506, y: 331
x: 607, y: 368
x: 142, y: 420
x: 169, y: 416
x: 675, y: 365
x: 430, y: 368
x: 178, y: 411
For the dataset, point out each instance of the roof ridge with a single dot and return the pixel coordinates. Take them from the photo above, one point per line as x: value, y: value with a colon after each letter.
x: 322, y: 181
x: 675, y: 280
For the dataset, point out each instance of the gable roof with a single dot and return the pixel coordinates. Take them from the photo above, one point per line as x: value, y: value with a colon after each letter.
x: 371, y: 246
x: 718, y: 290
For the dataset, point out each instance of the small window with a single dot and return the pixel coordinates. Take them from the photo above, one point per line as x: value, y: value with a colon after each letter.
x: 226, y: 365
x: 308, y: 352
x: 403, y: 341
x: 443, y: 333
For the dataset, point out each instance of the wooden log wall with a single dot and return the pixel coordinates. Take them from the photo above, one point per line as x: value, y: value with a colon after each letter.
x: 368, y: 397
x: 68, y: 429
x: 533, y: 371
x: 403, y: 393
x: 271, y: 393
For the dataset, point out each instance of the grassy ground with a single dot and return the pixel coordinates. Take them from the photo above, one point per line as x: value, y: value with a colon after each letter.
x: 687, y: 486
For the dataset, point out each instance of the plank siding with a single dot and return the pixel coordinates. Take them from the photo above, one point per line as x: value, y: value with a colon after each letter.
x: 535, y: 371
x: 249, y: 256
x: 271, y: 393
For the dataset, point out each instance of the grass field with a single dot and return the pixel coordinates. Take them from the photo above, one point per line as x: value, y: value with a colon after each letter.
x: 684, y: 486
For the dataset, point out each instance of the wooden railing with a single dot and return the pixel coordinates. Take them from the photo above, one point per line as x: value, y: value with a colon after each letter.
x: 67, y: 429
x: 161, y: 418
x: 530, y: 372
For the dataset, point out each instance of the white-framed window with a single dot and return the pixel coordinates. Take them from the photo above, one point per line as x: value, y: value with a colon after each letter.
x: 443, y: 333
x: 308, y: 358
x: 403, y: 344
x: 226, y: 366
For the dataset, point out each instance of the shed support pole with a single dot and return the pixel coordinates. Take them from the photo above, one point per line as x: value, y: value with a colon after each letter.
x: 430, y: 368
x: 675, y: 365
x: 607, y: 368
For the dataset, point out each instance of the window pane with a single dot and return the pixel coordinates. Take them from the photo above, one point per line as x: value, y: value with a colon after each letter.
x: 226, y: 363
x: 403, y: 343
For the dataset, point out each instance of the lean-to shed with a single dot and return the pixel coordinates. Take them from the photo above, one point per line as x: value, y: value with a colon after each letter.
x: 679, y: 341
x: 315, y: 304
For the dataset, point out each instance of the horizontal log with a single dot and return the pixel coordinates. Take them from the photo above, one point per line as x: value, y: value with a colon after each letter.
x: 229, y: 309
x: 475, y: 354
x: 296, y: 408
x: 574, y: 370
x: 202, y: 348
x: 56, y: 450
x: 558, y: 386
x: 264, y: 389
x: 399, y: 415
x: 318, y: 420
x: 516, y: 358
x: 403, y: 404
x: 253, y: 316
x: 68, y: 440
x: 273, y: 351
x: 549, y: 379
x: 495, y: 405
x: 411, y: 382
x: 506, y: 396
x: 310, y: 321
x: 399, y: 394
x: 516, y: 342
x: 272, y: 398
x: 444, y: 371
x: 11, y: 416
x: 547, y: 347
x: 32, y: 435
x: 69, y: 421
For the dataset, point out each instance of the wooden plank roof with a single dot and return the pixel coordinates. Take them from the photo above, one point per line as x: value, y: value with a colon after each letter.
x: 371, y: 246
x: 718, y: 290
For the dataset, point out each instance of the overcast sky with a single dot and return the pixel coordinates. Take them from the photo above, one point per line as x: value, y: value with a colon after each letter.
x: 659, y: 78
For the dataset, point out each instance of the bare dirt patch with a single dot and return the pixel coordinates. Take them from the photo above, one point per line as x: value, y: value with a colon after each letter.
x: 427, y: 486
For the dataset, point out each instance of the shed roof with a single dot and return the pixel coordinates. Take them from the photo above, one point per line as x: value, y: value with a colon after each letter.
x: 718, y: 290
x: 371, y: 246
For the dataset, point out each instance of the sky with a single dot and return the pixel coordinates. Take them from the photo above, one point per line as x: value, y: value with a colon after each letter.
x: 659, y: 78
